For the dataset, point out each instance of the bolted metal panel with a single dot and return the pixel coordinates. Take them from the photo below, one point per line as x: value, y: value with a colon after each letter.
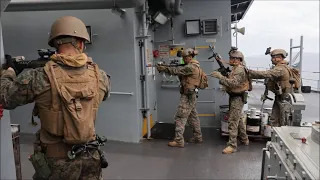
x: 55, y: 5
x: 290, y: 158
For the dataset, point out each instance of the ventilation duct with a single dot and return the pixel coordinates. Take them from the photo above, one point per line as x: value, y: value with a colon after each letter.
x: 55, y: 5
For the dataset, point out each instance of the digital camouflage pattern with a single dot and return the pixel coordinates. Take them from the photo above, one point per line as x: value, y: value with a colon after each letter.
x: 187, y: 112
x: 176, y: 71
x: 24, y: 88
x: 239, y: 77
x: 281, y: 110
x: 278, y: 75
x: 85, y: 167
x: 235, y: 122
x: 28, y: 87
x: 273, y: 75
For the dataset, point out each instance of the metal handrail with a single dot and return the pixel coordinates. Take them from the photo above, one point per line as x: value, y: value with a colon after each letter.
x: 123, y: 93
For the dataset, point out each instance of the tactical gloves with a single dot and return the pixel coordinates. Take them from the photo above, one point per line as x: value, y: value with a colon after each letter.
x: 160, y: 68
x: 216, y: 74
x: 10, y: 63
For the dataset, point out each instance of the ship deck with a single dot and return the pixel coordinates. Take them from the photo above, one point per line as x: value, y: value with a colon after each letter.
x: 153, y: 159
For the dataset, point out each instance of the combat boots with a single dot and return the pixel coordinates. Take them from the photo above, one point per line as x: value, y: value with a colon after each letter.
x: 176, y: 144
x: 229, y: 150
x: 195, y: 140
x: 245, y: 142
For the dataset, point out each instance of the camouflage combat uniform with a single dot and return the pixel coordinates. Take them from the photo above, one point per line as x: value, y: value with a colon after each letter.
x: 277, y: 75
x: 186, y: 111
x: 236, y: 84
x: 277, y: 82
x: 34, y: 85
x: 237, y: 78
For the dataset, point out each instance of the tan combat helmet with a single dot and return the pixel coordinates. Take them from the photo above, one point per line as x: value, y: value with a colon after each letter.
x: 67, y: 26
x: 279, y: 52
x: 236, y: 54
x: 189, y: 52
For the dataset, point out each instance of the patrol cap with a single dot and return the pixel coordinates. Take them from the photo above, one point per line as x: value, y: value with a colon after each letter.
x: 279, y: 52
x: 236, y: 54
x: 68, y: 26
x: 189, y: 52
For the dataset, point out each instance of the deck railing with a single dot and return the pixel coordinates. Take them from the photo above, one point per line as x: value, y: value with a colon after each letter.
x: 314, y: 83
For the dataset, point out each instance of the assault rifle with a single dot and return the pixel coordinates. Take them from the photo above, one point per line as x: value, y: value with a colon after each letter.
x: 174, y: 63
x: 223, y: 70
x: 20, y: 63
x: 265, y: 96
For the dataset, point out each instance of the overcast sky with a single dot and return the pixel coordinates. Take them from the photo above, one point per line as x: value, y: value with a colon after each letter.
x: 273, y: 23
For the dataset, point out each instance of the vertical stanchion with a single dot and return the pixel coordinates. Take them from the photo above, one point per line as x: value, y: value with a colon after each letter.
x: 8, y: 170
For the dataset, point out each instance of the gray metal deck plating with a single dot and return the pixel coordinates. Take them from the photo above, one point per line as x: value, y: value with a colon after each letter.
x: 155, y: 160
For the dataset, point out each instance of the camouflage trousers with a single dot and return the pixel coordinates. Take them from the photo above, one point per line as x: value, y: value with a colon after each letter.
x: 236, y: 123
x: 187, y: 113
x: 280, y: 112
x: 83, y: 167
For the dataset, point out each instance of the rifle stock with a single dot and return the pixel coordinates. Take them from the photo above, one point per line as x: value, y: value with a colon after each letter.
x: 222, y: 69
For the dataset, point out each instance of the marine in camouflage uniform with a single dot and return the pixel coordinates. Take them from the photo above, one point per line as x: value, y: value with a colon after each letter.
x: 277, y: 82
x: 189, y: 76
x: 68, y: 35
x: 236, y: 84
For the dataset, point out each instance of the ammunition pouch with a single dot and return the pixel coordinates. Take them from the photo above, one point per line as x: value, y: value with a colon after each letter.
x: 285, y: 106
x: 40, y: 165
x: 278, y: 89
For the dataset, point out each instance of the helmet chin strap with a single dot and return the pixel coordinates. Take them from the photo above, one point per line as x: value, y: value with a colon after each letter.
x: 71, y: 40
x: 75, y: 45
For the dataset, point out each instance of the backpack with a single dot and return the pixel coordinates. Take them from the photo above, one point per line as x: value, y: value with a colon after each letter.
x: 294, y: 74
x: 75, y: 97
x: 203, y: 80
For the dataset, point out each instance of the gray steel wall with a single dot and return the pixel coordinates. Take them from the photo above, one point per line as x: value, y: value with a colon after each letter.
x: 168, y: 98
x: 116, y: 50
x: 113, y: 49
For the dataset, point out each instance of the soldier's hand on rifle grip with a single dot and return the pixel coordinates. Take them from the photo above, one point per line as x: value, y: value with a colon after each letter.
x: 160, y: 68
x: 216, y: 74
x: 10, y: 64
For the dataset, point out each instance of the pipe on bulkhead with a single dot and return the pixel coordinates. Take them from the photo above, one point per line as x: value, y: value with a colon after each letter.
x: 145, y: 95
x: 56, y: 5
